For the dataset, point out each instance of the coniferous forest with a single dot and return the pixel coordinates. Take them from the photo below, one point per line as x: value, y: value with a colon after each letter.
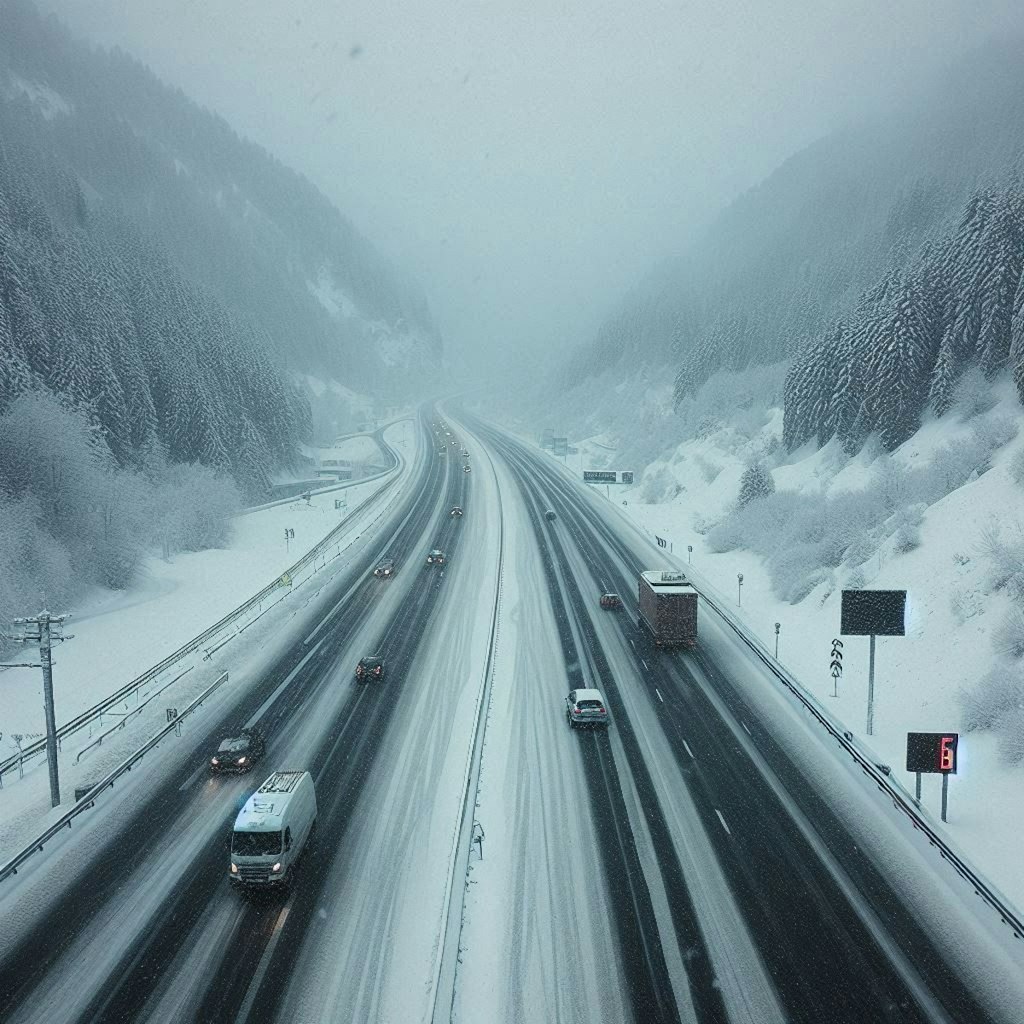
x: 879, y: 265
x: 160, y: 300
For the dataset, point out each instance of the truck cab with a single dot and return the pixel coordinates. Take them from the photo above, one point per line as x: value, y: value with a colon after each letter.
x: 272, y: 829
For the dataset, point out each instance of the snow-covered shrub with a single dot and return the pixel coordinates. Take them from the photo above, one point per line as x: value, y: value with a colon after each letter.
x: 965, y: 604
x: 1010, y: 734
x: 988, y: 700
x: 192, y: 509
x: 907, y: 539
x: 1008, y: 636
x: 756, y: 482
x: 996, y: 431
x: 709, y: 470
x: 657, y: 486
x: 856, y: 579
x: 726, y: 536
x: 35, y: 571
x: 1005, y: 558
x: 1017, y: 467
x: 974, y: 395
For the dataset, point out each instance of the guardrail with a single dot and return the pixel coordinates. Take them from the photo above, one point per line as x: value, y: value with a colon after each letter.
x: 87, y: 801
x: 196, y: 643
x: 135, y: 711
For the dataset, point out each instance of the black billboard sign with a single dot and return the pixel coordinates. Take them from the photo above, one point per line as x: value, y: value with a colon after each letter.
x: 599, y: 476
x: 873, y: 613
x: 933, y: 752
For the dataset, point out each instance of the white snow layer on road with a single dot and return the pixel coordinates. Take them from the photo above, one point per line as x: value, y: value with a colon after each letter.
x: 538, y: 939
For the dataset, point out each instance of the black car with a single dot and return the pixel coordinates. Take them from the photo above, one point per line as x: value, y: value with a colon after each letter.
x: 370, y: 668
x: 436, y: 557
x: 456, y: 511
x: 385, y: 568
x: 238, y: 753
x: 550, y: 514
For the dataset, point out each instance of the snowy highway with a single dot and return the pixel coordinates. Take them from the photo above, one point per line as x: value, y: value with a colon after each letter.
x: 680, y: 866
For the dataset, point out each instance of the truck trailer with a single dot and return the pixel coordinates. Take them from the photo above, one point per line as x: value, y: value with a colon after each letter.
x: 668, y: 608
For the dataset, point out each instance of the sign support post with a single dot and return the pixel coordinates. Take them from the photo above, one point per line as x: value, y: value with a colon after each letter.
x: 871, y: 687
x: 934, y: 753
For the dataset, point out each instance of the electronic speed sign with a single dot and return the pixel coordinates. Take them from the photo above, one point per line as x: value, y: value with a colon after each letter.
x: 932, y: 752
x: 873, y: 613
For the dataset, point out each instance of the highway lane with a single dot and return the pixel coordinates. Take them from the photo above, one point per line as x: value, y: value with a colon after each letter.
x: 817, y: 924
x: 539, y: 938
x: 130, y: 933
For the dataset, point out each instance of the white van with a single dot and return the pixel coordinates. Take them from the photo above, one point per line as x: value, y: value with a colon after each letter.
x: 272, y: 828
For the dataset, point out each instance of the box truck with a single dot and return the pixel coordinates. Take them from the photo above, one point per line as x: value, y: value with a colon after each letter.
x: 668, y: 608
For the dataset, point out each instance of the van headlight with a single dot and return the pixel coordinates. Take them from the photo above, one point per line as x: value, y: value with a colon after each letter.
x: 241, y: 760
x: 276, y: 867
x: 234, y: 869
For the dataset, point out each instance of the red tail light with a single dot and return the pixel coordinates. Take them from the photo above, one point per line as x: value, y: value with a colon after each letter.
x: 601, y: 711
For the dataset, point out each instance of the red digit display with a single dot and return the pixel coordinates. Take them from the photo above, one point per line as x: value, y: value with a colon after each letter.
x: 947, y: 754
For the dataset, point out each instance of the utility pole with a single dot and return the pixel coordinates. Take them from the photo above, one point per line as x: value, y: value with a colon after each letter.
x: 44, y: 629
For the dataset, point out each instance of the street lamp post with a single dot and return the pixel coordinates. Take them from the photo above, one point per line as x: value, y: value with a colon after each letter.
x: 739, y: 589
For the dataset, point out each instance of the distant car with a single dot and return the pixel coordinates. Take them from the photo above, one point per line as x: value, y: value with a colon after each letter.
x: 586, y: 707
x: 370, y: 668
x: 611, y: 601
x: 385, y: 568
x: 436, y: 557
x: 238, y: 753
x: 550, y: 515
x: 466, y: 470
x: 456, y: 511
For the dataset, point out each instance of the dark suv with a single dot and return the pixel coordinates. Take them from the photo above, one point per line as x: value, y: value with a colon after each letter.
x: 385, y: 568
x: 436, y: 557
x: 370, y: 668
x: 238, y: 753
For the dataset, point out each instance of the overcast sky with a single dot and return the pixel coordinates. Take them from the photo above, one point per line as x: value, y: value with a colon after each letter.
x: 529, y: 161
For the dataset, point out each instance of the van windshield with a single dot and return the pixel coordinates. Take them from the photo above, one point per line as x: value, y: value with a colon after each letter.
x: 256, y: 844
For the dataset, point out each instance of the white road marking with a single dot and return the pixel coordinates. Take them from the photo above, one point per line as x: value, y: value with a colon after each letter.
x: 291, y: 675
x: 658, y: 692
x: 722, y: 820
x: 749, y: 733
x: 632, y: 644
x: 688, y: 750
x: 257, y: 978
x: 644, y: 663
x: 192, y: 778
